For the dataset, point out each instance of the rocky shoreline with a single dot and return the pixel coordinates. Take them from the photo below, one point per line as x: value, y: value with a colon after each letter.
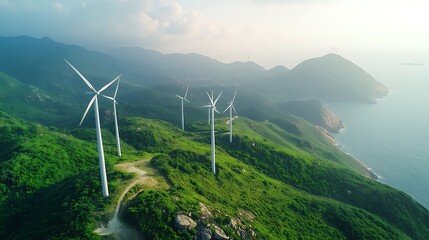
x: 365, y: 169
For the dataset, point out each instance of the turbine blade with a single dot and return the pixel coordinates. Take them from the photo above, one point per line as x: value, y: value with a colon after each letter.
x: 227, y: 108
x: 108, y: 97
x: 217, y: 98
x: 179, y: 96
x: 216, y: 111
x: 87, y: 108
x: 107, y: 85
x: 186, y: 93
x: 186, y: 100
x: 81, y: 76
x: 207, y: 106
x: 211, y: 98
x: 233, y: 108
x: 116, y: 90
x: 234, y: 96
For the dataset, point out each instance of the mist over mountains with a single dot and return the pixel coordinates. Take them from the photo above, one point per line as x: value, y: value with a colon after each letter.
x: 151, y: 79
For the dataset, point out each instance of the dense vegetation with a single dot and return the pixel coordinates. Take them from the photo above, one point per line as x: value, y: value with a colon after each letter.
x: 280, y: 178
x: 50, y: 189
x: 313, y: 192
x: 49, y: 183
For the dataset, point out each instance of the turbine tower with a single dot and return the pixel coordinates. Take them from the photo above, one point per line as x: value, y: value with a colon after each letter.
x: 231, y: 107
x: 118, y: 142
x: 212, y: 108
x: 208, y: 112
x: 183, y: 98
x: 94, y: 101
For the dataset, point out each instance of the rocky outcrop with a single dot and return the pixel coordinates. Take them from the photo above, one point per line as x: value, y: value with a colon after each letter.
x: 184, y: 222
x: 205, y: 212
x: 331, y: 122
x: 208, y: 228
x: 205, y: 234
x: 313, y: 111
x: 219, y: 233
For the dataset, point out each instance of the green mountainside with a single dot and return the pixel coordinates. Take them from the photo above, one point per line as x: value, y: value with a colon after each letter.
x: 313, y: 111
x: 278, y: 179
x: 281, y: 178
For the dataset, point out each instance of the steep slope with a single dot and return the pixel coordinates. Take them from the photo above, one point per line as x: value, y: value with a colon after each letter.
x: 39, y: 62
x: 314, y: 112
x: 330, y: 78
x: 29, y: 102
x: 273, y: 182
x: 48, y: 183
x: 272, y: 190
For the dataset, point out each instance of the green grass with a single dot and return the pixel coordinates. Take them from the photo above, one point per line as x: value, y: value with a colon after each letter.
x: 280, y: 179
x: 261, y: 174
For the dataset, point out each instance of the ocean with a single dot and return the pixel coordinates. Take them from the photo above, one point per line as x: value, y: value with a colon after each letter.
x: 392, y: 136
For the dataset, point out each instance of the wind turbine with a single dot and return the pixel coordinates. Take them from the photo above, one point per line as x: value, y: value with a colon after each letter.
x: 212, y: 107
x: 208, y: 111
x: 118, y: 142
x: 231, y: 107
x: 183, y: 98
x: 100, y: 149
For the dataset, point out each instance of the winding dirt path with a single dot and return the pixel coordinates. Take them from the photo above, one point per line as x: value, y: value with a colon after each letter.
x: 115, y: 226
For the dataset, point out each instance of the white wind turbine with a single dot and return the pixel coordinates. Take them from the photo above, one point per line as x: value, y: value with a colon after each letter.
x: 231, y: 107
x: 208, y: 112
x: 183, y: 98
x: 100, y: 149
x: 118, y: 142
x: 212, y: 107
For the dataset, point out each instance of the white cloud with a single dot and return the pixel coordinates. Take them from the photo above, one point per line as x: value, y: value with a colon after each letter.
x: 116, y: 22
x: 233, y: 29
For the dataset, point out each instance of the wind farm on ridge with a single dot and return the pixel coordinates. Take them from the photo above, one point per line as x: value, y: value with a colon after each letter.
x: 94, y: 102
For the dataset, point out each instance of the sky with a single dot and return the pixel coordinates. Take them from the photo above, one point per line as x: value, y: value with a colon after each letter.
x: 268, y: 32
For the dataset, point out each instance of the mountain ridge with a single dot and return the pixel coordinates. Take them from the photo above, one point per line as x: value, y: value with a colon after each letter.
x: 327, y: 78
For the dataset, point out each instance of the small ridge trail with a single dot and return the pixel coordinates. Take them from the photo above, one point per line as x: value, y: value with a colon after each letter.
x: 115, y: 226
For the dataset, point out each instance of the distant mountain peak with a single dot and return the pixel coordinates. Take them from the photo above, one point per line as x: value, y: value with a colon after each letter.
x: 330, y: 77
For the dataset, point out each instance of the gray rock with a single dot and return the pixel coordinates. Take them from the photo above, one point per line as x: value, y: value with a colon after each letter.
x: 205, y: 213
x: 184, y: 222
x: 219, y: 233
x: 206, y: 234
x: 233, y: 223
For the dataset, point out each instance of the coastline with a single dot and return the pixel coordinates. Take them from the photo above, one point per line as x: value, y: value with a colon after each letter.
x: 365, y: 169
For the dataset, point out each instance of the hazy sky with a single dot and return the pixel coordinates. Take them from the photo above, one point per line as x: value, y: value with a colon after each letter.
x: 268, y: 32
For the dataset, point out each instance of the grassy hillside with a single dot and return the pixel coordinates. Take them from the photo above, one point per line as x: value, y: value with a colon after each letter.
x: 29, y: 102
x: 285, y: 191
x: 278, y: 179
x: 50, y: 182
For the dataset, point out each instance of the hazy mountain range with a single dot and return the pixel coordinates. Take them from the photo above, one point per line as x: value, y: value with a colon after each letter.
x: 151, y: 80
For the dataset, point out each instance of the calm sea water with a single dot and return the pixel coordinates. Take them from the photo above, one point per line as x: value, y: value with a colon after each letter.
x: 392, y: 137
